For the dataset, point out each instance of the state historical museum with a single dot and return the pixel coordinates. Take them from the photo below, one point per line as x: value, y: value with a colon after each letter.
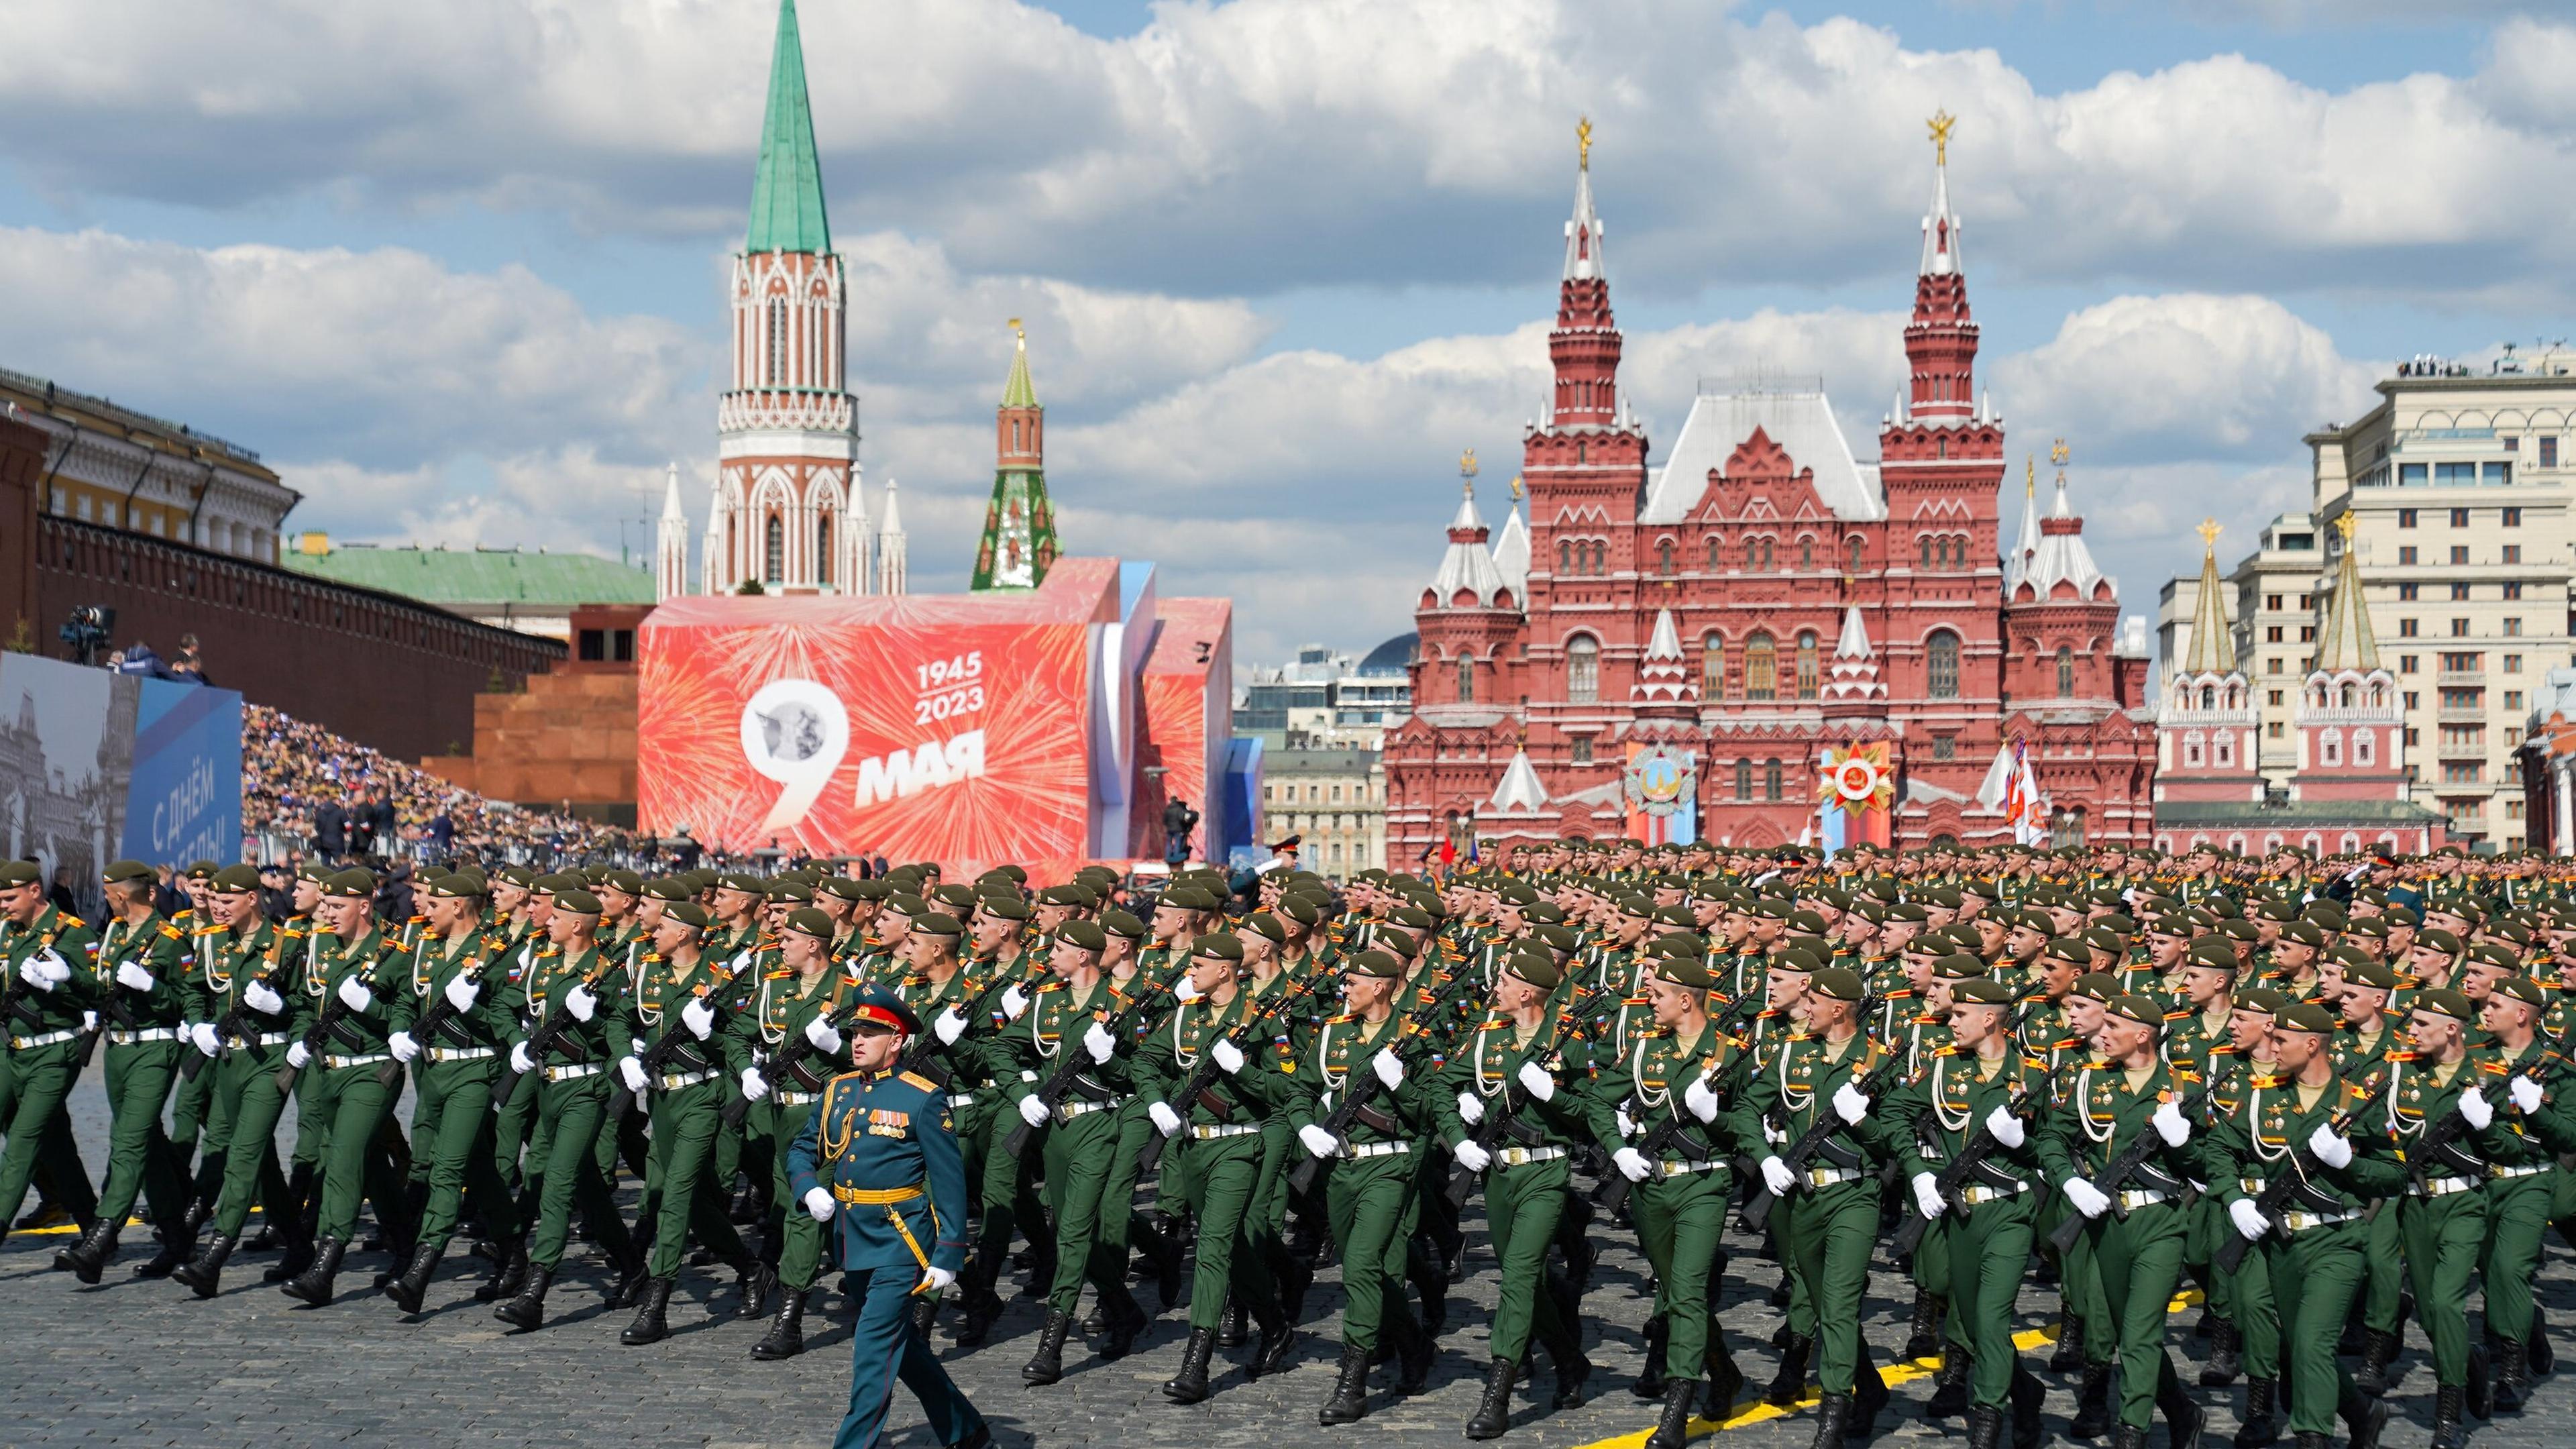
x: 1670, y: 653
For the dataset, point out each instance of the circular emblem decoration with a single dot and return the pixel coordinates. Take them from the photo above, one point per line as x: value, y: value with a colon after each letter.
x: 1855, y: 780
x: 1660, y: 780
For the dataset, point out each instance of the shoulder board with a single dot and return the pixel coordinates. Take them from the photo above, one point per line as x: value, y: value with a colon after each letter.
x: 2398, y: 1056
x: 916, y: 1079
x: 2037, y: 1063
x: 2495, y: 1069
x: 69, y: 922
x: 778, y: 975
x: 1338, y: 1020
x: 170, y: 932
x: 2266, y: 1084
x: 1945, y: 1051
x: 1045, y: 987
x: 840, y: 1077
x: 1802, y: 1036
x: 2179, y: 1015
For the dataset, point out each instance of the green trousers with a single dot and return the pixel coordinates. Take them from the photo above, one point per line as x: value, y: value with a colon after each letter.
x: 2208, y: 1222
x: 1077, y: 1156
x: 2315, y: 1276
x: 513, y: 1123
x: 2517, y: 1216
x: 1522, y: 1208
x: 799, y: 1238
x: 1828, y: 1234
x: 2383, y: 1290
x: 248, y: 1105
x: 1371, y: 1206
x: 355, y: 1106
x: 1932, y: 1273
x: 33, y: 1083
x: 2258, y: 1317
x: 2079, y: 1286
x: 2444, y: 1238
x: 1680, y: 1221
x: 2139, y: 1259
x: 1118, y: 1190
x: 140, y: 1159
x: 451, y: 1135
x: 686, y: 1123
x: 1988, y: 1251
x: 568, y: 1114
x: 192, y: 1101
x: 1222, y: 1175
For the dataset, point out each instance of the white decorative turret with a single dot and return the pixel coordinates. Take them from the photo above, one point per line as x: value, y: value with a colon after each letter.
x: 1468, y: 576
x: 1512, y: 553
x: 671, y: 543
x: 1853, y: 676
x: 1663, y: 675
x: 1519, y: 789
x: 890, y: 545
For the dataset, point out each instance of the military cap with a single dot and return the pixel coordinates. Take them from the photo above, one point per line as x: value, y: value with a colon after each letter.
x: 876, y: 888
x: 557, y: 883
x: 2260, y: 998
x: 2495, y: 956
x: 1807, y: 923
x: 936, y: 924
x: 237, y: 880
x: 2212, y: 953
x: 1301, y: 909
x: 1068, y: 894
x: 958, y: 899
x: 1266, y: 925
x: 2367, y: 926
x: 2069, y: 950
x: 1907, y: 911
x: 840, y: 887
x: 1186, y: 898
x: 2301, y: 1016
x: 1402, y: 943
x: 1837, y: 983
x: 1122, y: 923
x: 1982, y: 991
x: 2240, y: 930
x: 2141, y: 1009
x: 809, y: 921
x: 1544, y: 913
x: 2397, y: 914
x: 1224, y: 945
x: 908, y: 904
x: 737, y: 881
x: 2099, y: 986
x: 1535, y: 967
x: 1775, y: 908
x: 1086, y: 934
x: 688, y: 913
x: 2514, y: 931
x: 2439, y: 940
x: 1009, y: 908
x: 2306, y: 933
x: 624, y: 882
x: 788, y: 891
x: 1685, y: 970
x: 2442, y: 1001
x: 2282, y: 911
x: 458, y: 885
x: 2118, y: 921
x: 1377, y: 963
x: 1557, y: 937
x: 1412, y: 918
x: 1946, y: 897
x: 2371, y: 974
x: 2102, y: 938
x: 881, y: 1010
x: 2328, y: 915
x: 1679, y: 917
x: 351, y: 884
x: 2169, y: 925
x: 1795, y: 958
x: 1959, y: 966
x: 2524, y: 990
x: 130, y: 870
x: 200, y: 870
x: 576, y: 901
x: 517, y: 875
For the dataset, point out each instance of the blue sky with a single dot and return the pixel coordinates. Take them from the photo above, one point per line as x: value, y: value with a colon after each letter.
x: 459, y: 275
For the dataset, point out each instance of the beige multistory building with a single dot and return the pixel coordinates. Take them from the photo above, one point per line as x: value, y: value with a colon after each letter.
x: 1334, y: 800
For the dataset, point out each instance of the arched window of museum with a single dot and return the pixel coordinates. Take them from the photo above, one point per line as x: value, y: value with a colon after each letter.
x: 1744, y: 779
x: 1712, y: 667
x: 1761, y: 668
x: 1714, y: 544
x: 1941, y: 665
x: 1806, y: 552
x: 1466, y: 679
x: 1771, y: 780
x: 1664, y: 557
x: 2065, y: 672
x: 1808, y: 672
x: 1852, y: 550
x: 1583, y: 669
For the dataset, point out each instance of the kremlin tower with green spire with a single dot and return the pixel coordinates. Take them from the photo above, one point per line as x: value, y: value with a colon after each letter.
x: 1019, y: 525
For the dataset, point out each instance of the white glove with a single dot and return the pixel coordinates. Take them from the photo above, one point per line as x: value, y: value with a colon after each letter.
x: 2476, y: 1110
x: 1185, y: 989
x: 258, y: 997
x: 1317, y: 1140
x: 2249, y: 1220
x: 1033, y: 1111
x: 2085, y: 1197
x: 402, y: 1046
x: 1166, y: 1121
x: 699, y: 1018
x: 1850, y: 1103
x: 1927, y: 1195
x: 2006, y: 1128
x: 1014, y: 1001
x: 2526, y: 1094
x: 1700, y: 1100
x: 32, y: 972
x: 631, y: 1069
x: 133, y: 977
x: 2331, y: 1150
x: 1229, y: 1057
x: 821, y: 1033
x: 1777, y: 1176
x: 520, y: 1061
x: 582, y: 1004
x: 1389, y: 1069
x: 203, y: 1034
x: 1774, y: 1135
x: 355, y: 995
x: 818, y: 1204
x: 1535, y: 1081
x: 297, y: 1054
x: 1632, y: 1164
x: 1471, y: 1109
x: 2171, y: 1125
x: 754, y: 1085
x: 461, y: 991
x: 934, y: 1280
x: 1472, y: 1157
x: 950, y: 1026
x: 1099, y: 1043
x: 89, y: 1021
x: 51, y: 966
x: 1627, y: 1124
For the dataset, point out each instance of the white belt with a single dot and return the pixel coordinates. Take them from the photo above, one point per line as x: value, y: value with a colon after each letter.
x: 268, y: 1038
x: 576, y: 1073
x: 2444, y: 1186
x: 1684, y: 1169
x: 1977, y: 1193
x: 2250, y: 1186
x: 1067, y: 1111
x: 459, y: 1054
x: 1376, y: 1149
x: 961, y: 1099
x: 336, y: 1063
x: 674, y: 1081
x: 798, y: 1099
x: 1028, y: 1076
x: 2524, y: 1171
x: 1828, y: 1176
x: 2301, y: 1222
x: 1231, y: 1129
x: 2138, y: 1198
x: 23, y: 1043
x: 1524, y: 1156
x: 116, y: 1037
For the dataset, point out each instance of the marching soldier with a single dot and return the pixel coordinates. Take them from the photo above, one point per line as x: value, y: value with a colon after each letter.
x: 139, y: 982
x: 344, y: 1016
x: 247, y: 977
x: 782, y: 1049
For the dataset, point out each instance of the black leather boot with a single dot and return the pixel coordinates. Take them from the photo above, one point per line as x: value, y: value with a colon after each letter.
x: 1651, y: 1379
x: 2226, y: 1355
x: 2512, y: 1377
x: 2183, y: 1418
x: 1924, y: 1339
x: 755, y: 1280
x: 2448, y: 1431
x: 1493, y: 1411
x: 2364, y: 1416
x: 2129, y: 1437
x: 1414, y: 1352
x: 1573, y: 1370
x: 313, y: 1285
x: 203, y: 1274
x: 528, y: 1309
x: 1349, y: 1403
x: 1295, y: 1280
x: 652, y: 1315
x: 1122, y: 1319
x: 2028, y: 1396
x: 983, y: 1309
x: 786, y: 1335
x: 2311, y: 1441
x: 509, y: 1275
x: 1234, y: 1326
x: 1791, y: 1384
x: 1949, y: 1387
x: 1047, y: 1364
x: 1869, y: 1396
x: 2261, y: 1426
x: 1985, y: 1427
x: 408, y: 1290
x: 2069, y: 1355
x: 1190, y: 1385
x: 1833, y: 1421
x: 2480, y: 1396
x: 89, y: 1257
x: 628, y: 1275
x: 2377, y: 1350
x: 1725, y: 1380
x: 297, y: 1258
x: 2535, y: 1345
x: 1278, y: 1340
x: 1672, y: 1430
x: 2092, y: 1404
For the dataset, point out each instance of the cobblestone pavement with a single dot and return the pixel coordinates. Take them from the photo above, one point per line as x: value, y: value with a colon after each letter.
x: 132, y: 1362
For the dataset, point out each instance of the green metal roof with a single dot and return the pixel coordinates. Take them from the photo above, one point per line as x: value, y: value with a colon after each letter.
x: 787, y: 195
x: 458, y: 578
x: 1017, y: 390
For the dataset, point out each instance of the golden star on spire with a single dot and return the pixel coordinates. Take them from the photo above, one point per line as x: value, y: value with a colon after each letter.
x: 1467, y: 464
x: 1016, y: 330
x: 1516, y: 487
x: 1583, y: 143
x: 1940, y: 124
x: 2344, y: 526
x: 2209, y: 532
x: 2057, y: 453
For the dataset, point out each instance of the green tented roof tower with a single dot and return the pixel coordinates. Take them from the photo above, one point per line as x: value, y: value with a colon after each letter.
x: 787, y: 194
x: 1019, y: 542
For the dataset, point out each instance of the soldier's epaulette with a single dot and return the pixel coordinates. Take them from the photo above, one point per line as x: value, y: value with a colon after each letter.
x: 70, y: 922
x: 1945, y: 1051
x: 2267, y: 1083
x: 2397, y: 1056
x: 1637, y: 1001
x: 2041, y: 1063
x: 780, y: 974
x: 1046, y: 986
x: 1345, y: 1016
x: 916, y: 1079
x: 2495, y: 1069
x: 210, y: 930
x: 2179, y: 1015
x: 1802, y: 1036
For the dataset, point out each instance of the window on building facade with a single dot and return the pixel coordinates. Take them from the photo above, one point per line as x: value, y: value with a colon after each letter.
x: 1583, y: 669
x: 823, y: 549
x: 2272, y: 634
x: 2274, y: 730
x: 1712, y: 554
x: 2459, y: 554
x: 2406, y: 593
x: 1761, y: 668
x: 2512, y: 555
x: 2405, y: 628
x: 2459, y: 593
x: 777, y: 344
x: 2513, y: 700
x: 2512, y: 591
x: 2272, y: 666
x: 2307, y: 633
x: 2513, y: 628
x: 2065, y: 672
x: 2512, y: 663
x: 1771, y: 780
x: 1664, y: 557
x: 2406, y: 518
x: 1926, y: 542
x: 2459, y: 518
x: 1945, y: 747
x: 1941, y: 659
x: 1851, y: 550
x: 2459, y: 628
x: 773, y: 560
x: 1808, y: 673
x: 1466, y: 679
x: 1582, y: 749
x: 2406, y: 664
x: 1564, y: 557
x: 1744, y: 779
x: 2272, y: 602
x: 1712, y: 668
x: 1806, y: 553
x: 2406, y: 555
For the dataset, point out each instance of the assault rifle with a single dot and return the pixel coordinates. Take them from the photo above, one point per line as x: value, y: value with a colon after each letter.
x: 2120, y: 1169
x: 672, y: 1042
x: 916, y: 1055
x: 1073, y: 1061
x: 1613, y: 1192
x: 791, y: 1055
x: 193, y: 1061
x: 1757, y: 1209
x: 1490, y: 1131
x: 431, y: 1022
x: 1359, y: 1091
x: 2291, y: 1176
x: 1954, y: 1176
x: 543, y: 1039
x: 333, y: 1013
x: 1204, y: 1076
x: 2453, y: 1126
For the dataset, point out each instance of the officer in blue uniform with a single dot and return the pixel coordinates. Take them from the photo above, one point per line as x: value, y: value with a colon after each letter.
x: 880, y: 1156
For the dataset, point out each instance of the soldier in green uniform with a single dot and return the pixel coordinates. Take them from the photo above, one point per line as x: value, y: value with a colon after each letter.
x: 200, y: 1163
x: 247, y: 977
x: 782, y: 1048
x: 45, y: 997
x: 937, y: 988
x: 138, y: 978
x: 2442, y: 1218
x: 344, y: 1015
x: 2533, y: 1127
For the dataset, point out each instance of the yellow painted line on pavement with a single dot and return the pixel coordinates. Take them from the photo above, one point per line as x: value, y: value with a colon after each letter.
x: 1902, y: 1373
